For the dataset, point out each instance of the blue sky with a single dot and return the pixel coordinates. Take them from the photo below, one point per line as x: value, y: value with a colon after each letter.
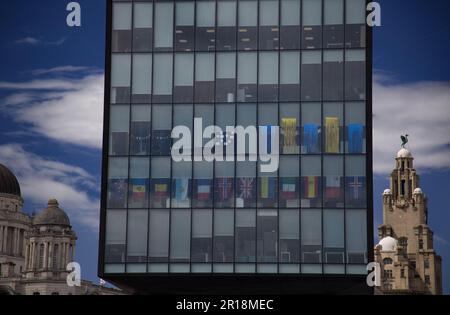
x: 51, y: 87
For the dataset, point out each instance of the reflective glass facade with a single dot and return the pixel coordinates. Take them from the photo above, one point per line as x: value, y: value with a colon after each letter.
x: 297, y: 64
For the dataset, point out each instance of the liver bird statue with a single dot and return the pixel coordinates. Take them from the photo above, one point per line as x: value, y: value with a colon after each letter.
x: 404, y: 140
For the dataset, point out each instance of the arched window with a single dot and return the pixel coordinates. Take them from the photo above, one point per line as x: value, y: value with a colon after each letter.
x: 41, y: 256
x: 387, y: 261
x: 403, y: 242
x: 55, y: 257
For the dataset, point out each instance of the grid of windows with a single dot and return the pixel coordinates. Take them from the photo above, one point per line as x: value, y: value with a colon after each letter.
x: 297, y: 64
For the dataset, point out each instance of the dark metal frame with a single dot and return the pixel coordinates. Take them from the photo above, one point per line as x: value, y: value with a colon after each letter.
x: 237, y: 283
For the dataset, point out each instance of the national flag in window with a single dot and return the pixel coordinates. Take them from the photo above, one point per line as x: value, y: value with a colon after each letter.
x: 356, y: 190
x: 160, y: 188
x: 289, y: 188
x: 355, y: 138
x: 333, y: 187
x: 139, y: 190
x: 332, y: 135
x: 224, y: 188
x: 311, y: 138
x: 181, y: 189
x: 267, y: 189
x: 117, y: 193
x: 203, y: 189
x: 289, y: 134
x: 310, y: 185
x: 246, y: 188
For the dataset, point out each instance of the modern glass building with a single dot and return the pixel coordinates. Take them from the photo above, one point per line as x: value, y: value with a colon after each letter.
x: 225, y: 226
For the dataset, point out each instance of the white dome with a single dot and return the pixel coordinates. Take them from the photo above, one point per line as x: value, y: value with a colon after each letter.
x: 404, y: 153
x: 388, y: 244
x: 387, y: 192
x: 418, y: 191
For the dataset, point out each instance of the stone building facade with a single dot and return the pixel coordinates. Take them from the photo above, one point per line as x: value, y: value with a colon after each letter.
x: 409, y: 263
x: 35, y: 250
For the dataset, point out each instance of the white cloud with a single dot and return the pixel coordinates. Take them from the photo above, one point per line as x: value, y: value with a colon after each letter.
x: 60, y: 70
x: 41, y: 178
x: 420, y: 109
x: 35, y: 41
x: 28, y: 40
x: 64, y: 109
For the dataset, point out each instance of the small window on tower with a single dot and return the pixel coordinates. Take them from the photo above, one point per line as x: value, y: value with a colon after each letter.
x: 387, y: 261
x: 403, y: 188
x: 427, y: 280
x: 420, y: 244
x: 403, y: 242
x: 402, y: 273
x: 426, y: 263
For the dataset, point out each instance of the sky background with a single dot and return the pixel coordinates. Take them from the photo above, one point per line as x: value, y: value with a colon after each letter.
x: 51, y: 103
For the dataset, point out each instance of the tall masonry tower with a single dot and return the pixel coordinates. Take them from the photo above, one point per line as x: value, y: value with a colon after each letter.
x: 409, y: 263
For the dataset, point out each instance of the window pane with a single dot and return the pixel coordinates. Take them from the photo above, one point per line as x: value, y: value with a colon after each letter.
x: 115, y: 236
x: 356, y: 229
x: 142, y: 78
x: 355, y: 181
x: 268, y: 76
x: 203, y: 184
x: 333, y: 236
x: 355, y: 75
x: 226, y: 77
x: 140, y: 130
x: 333, y: 181
x: 356, y: 10
x: 311, y: 75
x: 226, y: 25
x: 355, y: 30
x: 121, y: 28
x: 184, y: 78
x: 226, y: 13
x: 160, y: 182
x: 289, y: 182
x: 333, y: 125
x: 117, y: 182
x: 205, y: 31
x: 180, y: 235
x: 162, y: 78
x: 312, y: 21
x: 181, y: 184
x: 246, y: 192
x: 245, y: 236
x: 224, y: 184
x: 162, y: 128
x: 119, y: 126
x: 290, y: 24
x: 334, y: 12
x: 267, y: 235
x: 201, y: 236
x: 137, y: 236
x: 142, y: 27
x: 248, y: 21
x: 355, y: 119
x: 120, y: 78
x: 289, y: 236
x: 290, y: 12
x: 139, y: 183
x: 268, y: 22
x: 223, y: 235
x: 247, y: 77
x: 204, y: 77
x: 311, y: 236
x: 290, y: 76
x: 163, y: 25
x: 333, y: 75
x: 311, y: 182
x: 290, y: 128
x: 311, y: 127
x: 158, y: 243
x: 184, y: 29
